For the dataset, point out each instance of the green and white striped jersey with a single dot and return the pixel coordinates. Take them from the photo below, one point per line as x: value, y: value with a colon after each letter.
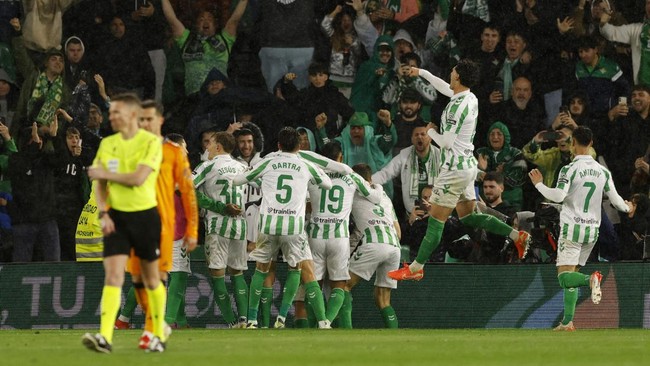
x: 284, y: 179
x: 375, y: 221
x: 330, y: 208
x: 213, y: 178
x: 584, y: 181
x: 460, y: 118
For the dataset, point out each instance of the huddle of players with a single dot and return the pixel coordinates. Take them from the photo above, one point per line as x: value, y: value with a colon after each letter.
x: 310, y: 247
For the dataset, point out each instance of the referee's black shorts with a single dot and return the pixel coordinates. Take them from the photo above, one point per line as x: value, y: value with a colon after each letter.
x: 139, y: 230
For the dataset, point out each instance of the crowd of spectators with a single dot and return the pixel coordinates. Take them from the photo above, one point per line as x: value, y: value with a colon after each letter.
x: 339, y: 71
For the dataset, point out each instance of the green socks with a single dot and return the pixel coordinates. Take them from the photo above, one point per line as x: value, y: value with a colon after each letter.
x: 175, y: 295
x: 573, y: 279
x: 314, y: 298
x: 345, y: 314
x: 290, y: 289
x: 431, y: 240
x: 570, y: 301
x: 240, y: 289
x: 181, y: 318
x: 487, y: 222
x: 300, y: 323
x: 267, y: 300
x: 222, y: 298
x: 129, y: 304
x: 570, y: 281
x: 390, y: 318
x: 255, y: 293
x: 334, y: 304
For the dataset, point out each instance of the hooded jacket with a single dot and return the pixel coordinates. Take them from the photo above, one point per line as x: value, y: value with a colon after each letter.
x: 219, y: 110
x: 368, y: 86
x: 312, y: 101
x: 514, y: 165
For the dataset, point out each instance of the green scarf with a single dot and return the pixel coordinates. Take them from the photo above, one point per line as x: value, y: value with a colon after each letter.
x: 414, y: 189
x: 644, y: 68
x: 52, y: 93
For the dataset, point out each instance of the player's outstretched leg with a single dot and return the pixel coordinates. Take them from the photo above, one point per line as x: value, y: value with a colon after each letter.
x: 493, y: 225
x: 430, y: 242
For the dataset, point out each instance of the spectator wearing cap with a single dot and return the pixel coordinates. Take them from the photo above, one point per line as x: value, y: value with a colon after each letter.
x: 600, y: 77
x: 43, y: 91
x: 373, y: 77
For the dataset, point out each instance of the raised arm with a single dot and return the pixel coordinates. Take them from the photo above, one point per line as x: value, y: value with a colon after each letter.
x: 364, y: 188
x: 177, y: 27
x: 235, y: 17
x: 324, y: 162
x: 554, y: 194
x: 440, y: 85
x: 257, y: 172
x: 445, y: 140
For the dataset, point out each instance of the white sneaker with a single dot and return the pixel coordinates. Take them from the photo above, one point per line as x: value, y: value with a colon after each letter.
x: 241, y: 323
x: 324, y: 324
x: 594, y: 283
x: 279, y: 322
x: 156, y: 345
x: 251, y: 325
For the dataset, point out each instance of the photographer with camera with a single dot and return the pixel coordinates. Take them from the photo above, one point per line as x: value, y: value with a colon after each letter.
x: 550, y: 161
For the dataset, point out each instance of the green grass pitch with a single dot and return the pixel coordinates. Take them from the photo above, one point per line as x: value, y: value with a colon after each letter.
x: 375, y: 347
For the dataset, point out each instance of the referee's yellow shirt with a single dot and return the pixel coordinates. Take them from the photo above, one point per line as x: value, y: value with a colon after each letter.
x: 123, y: 156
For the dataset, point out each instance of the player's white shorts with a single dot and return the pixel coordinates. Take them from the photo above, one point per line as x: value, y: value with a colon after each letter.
x: 295, y: 248
x: 570, y: 253
x: 252, y: 218
x: 222, y: 252
x: 372, y: 258
x: 180, y: 258
x: 453, y: 186
x: 331, y: 255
